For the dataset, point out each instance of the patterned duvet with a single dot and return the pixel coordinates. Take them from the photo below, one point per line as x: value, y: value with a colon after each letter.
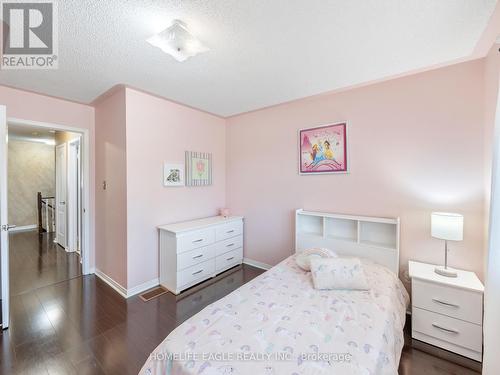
x: 278, y: 324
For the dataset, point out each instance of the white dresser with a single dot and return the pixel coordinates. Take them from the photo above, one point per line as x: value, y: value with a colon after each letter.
x: 193, y: 251
x: 447, y: 311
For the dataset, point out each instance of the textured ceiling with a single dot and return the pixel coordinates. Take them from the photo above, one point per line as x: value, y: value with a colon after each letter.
x: 262, y: 52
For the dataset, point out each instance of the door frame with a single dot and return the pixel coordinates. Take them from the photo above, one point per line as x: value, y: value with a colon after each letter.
x: 61, y: 183
x: 73, y: 194
x: 4, y: 221
x: 87, y: 209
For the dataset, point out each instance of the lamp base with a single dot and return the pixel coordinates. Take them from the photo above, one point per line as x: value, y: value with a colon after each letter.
x: 448, y: 272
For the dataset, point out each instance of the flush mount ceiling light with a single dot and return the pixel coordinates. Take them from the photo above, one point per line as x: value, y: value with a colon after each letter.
x: 177, y: 41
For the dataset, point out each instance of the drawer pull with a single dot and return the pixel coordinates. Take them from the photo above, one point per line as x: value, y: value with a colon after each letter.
x: 228, y: 259
x: 198, y: 256
x: 201, y: 239
x: 230, y: 245
x: 197, y: 272
x: 230, y: 231
x: 445, y: 303
x: 445, y: 329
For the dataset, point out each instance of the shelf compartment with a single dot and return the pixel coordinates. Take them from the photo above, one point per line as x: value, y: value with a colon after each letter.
x: 310, y: 225
x: 382, y: 235
x: 341, y: 229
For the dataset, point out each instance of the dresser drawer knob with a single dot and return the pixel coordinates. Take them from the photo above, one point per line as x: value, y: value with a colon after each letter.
x: 445, y: 303
x: 201, y: 239
x: 197, y: 272
x: 228, y: 259
x: 230, y: 231
x: 445, y: 329
x: 230, y: 245
x: 198, y: 256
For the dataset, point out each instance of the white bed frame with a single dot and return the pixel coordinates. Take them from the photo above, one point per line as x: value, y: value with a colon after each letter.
x: 375, y: 238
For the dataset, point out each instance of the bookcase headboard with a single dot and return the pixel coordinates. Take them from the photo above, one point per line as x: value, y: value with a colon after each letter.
x: 375, y: 238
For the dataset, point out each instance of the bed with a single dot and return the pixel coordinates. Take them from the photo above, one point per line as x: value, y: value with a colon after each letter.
x: 279, y: 324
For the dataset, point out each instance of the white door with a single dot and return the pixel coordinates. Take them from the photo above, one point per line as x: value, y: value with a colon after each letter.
x: 73, y: 202
x: 61, y: 191
x: 4, y: 225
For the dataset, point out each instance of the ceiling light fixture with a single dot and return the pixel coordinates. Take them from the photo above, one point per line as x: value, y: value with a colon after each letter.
x: 178, y: 42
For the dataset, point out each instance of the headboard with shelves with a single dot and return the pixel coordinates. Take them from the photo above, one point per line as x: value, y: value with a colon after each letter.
x: 375, y: 238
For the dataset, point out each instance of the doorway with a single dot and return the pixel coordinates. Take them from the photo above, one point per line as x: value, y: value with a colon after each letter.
x: 55, y: 247
x: 40, y: 178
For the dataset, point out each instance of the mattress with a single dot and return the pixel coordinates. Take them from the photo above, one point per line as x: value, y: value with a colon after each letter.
x: 279, y: 324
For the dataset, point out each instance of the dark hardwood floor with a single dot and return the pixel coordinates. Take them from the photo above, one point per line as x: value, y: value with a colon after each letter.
x: 82, y: 326
x: 36, y: 261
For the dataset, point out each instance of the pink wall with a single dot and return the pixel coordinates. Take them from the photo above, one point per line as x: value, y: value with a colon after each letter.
x: 416, y: 145
x: 25, y: 105
x: 159, y: 130
x: 111, y: 204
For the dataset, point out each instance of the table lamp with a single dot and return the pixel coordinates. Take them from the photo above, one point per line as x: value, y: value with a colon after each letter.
x: 448, y: 227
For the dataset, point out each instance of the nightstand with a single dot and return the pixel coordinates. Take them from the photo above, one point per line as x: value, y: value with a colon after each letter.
x: 447, y: 311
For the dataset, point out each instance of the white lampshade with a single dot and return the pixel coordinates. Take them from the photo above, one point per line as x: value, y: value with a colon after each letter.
x: 447, y: 226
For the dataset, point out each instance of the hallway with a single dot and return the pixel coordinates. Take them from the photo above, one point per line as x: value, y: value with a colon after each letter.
x: 36, y: 261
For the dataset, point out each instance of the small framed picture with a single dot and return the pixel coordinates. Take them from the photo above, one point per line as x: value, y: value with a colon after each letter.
x: 323, y: 149
x: 173, y: 174
x: 198, y: 168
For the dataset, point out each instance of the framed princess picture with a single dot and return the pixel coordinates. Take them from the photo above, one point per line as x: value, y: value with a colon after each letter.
x: 323, y: 149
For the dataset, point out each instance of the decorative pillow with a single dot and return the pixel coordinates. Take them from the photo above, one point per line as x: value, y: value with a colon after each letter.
x: 338, y: 273
x: 303, y: 259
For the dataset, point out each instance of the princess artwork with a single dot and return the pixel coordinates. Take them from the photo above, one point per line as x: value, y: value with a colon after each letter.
x: 323, y: 149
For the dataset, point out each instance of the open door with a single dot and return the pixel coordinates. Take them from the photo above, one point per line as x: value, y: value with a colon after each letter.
x: 61, y: 191
x: 74, y: 196
x: 4, y: 225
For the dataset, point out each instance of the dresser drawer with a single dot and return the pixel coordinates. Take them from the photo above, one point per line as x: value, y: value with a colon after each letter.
x: 228, y: 230
x: 457, y: 303
x: 195, y: 239
x: 196, y: 256
x: 228, y: 260
x: 199, y: 272
x: 444, y: 328
x: 228, y: 245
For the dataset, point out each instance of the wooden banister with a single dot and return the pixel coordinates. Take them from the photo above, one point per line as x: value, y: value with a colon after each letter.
x: 39, y: 205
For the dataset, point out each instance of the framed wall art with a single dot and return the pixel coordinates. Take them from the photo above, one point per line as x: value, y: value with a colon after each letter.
x: 198, y: 168
x: 323, y: 149
x: 173, y: 174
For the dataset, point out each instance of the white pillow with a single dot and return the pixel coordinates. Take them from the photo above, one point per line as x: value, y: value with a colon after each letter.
x: 338, y: 273
x: 303, y: 259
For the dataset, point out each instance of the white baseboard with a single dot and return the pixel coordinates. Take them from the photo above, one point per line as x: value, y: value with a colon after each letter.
x: 124, y: 292
x: 112, y: 283
x: 257, y: 264
x: 143, y: 287
x: 24, y: 228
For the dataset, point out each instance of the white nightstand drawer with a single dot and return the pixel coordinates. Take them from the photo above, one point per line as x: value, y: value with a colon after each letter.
x: 195, y: 239
x: 228, y: 260
x: 200, y: 271
x: 457, y: 303
x: 196, y: 256
x: 228, y: 230
x: 228, y: 245
x: 446, y: 329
